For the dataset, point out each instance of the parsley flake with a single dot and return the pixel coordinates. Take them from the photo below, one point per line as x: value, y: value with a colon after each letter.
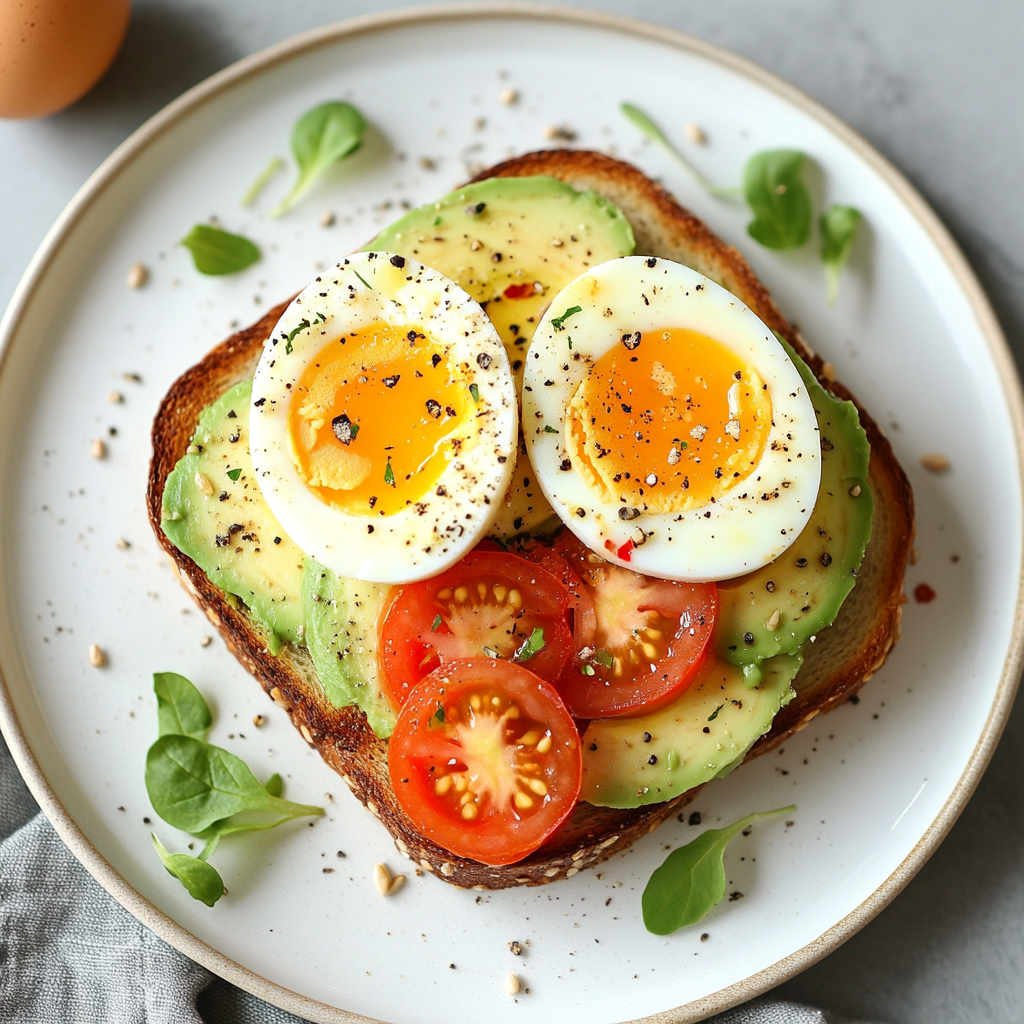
x: 437, y: 622
x: 234, y: 473
x: 389, y: 475
x: 475, y: 392
x: 532, y: 645
x: 559, y: 321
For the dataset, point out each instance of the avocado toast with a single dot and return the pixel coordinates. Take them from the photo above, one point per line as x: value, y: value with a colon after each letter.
x: 325, y: 704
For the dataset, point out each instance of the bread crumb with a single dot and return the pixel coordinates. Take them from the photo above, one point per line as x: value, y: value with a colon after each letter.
x: 258, y: 720
x: 561, y: 133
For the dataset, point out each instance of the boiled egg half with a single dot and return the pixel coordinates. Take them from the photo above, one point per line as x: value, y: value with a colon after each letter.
x: 667, y: 426
x: 384, y: 420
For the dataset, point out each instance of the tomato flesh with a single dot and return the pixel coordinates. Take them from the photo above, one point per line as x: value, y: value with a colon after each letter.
x: 650, y: 637
x: 485, y: 760
x: 490, y: 604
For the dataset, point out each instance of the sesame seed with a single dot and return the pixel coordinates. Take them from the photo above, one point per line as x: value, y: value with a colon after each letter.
x: 138, y: 275
x: 855, y: 491
x: 773, y: 620
x: 326, y: 219
x: 96, y: 656
x: 396, y: 883
x: 98, y: 449
x: 695, y: 133
x: 122, y: 544
x: 206, y: 641
x: 203, y: 484
x: 115, y: 397
x: 381, y: 879
x: 508, y: 95
x: 511, y: 984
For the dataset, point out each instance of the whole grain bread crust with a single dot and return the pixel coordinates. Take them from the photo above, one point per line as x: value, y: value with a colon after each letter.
x: 840, y: 660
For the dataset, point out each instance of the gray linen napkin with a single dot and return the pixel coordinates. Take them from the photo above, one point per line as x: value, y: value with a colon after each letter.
x: 70, y: 953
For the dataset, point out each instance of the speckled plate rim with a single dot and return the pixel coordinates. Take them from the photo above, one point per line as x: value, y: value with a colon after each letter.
x: 106, y: 176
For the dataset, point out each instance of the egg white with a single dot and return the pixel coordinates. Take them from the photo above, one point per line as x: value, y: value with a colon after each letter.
x: 741, y: 530
x: 428, y: 537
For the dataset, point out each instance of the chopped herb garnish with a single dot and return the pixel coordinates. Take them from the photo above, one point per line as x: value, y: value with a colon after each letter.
x: 216, y: 252
x: 491, y: 652
x: 475, y: 392
x: 603, y: 658
x: 548, y: 429
x: 437, y: 622
x: 714, y: 714
x: 437, y: 220
x: 303, y: 326
x: 559, y: 321
x: 437, y: 717
x: 587, y: 670
x: 389, y: 475
x: 532, y: 645
x: 363, y: 279
x: 234, y: 473
x: 320, y: 319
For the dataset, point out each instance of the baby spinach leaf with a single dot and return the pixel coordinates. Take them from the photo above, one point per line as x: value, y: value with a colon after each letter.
x: 200, y: 879
x: 838, y: 226
x: 192, y: 784
x: 321, y: 137
x: 778, y: 198
x: 217, y: 252
x: 655, y: 134
x: 692, y: 879
x: 180, y: 708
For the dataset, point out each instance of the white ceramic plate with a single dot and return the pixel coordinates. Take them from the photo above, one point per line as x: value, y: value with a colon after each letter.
x: 877, y: 784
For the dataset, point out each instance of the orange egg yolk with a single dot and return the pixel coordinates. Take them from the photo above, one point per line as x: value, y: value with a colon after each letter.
x: 667, y: 421
x: 375, y: 419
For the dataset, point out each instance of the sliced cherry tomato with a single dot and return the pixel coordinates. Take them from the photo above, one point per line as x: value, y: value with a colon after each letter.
x: 491, y: 604
x: 581, y: 603
x: 650, y: 637
x: 485, y: 760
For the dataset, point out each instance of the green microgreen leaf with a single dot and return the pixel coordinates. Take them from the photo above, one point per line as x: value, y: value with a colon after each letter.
x: 778, y: 198
x: 603, y: 658
x: 366, y: 283
x: 200, y: 879
x: 234, y: 474
x: 216, y: 252
x: 691, y: 880
x: 436, y: 623
x: 180, y: 708
x: 389, y: 473
x: 587, y: 670
x: 838, y: 226
x: 320, y: 318
x: 532, y: 645
x: 475, y: 392
x: 192, y: 785
x: 558, y: 322
x: 548, y: 429
x: 635, y: 115
x: 321, y: 137
x: 262, y: 179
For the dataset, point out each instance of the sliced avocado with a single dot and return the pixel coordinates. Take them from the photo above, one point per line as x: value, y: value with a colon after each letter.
x: 513, y: 244
x: 629, y: 762
x: 214, y: 511
x: 808, y: 583
x: 341, y: 634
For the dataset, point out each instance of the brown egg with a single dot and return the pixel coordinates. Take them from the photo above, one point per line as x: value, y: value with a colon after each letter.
x: 54, y: 51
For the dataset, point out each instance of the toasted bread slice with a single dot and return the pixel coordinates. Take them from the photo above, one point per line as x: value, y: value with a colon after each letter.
x: 840, y: 661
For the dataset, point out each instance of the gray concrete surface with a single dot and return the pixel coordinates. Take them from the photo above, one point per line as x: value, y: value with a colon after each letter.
x: 937, y: 86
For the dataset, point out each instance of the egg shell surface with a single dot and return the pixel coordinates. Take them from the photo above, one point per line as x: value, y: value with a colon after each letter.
x: 453, y: 509
x: 749, y: 523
